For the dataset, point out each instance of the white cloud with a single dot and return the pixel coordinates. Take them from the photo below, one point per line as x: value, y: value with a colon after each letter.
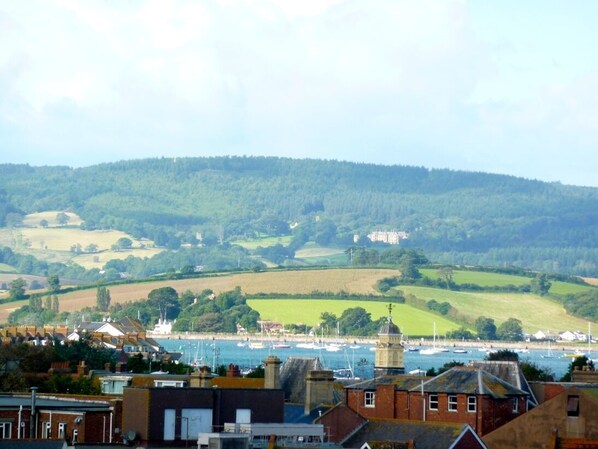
x: 439, y: 84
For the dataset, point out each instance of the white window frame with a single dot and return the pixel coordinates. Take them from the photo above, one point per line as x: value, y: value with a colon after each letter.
x: 433, y: 402
x: 452, y: 404
x: 61, y: 431
x: 515, y: 405
x: 46, y: 430
x: 369, y: 399
x: 75, y: 436
x: 5, y: 430
x: 472, y: 404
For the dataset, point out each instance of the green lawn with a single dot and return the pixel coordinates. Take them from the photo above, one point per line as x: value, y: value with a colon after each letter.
x: 412, y: 321
x: 535, y: 312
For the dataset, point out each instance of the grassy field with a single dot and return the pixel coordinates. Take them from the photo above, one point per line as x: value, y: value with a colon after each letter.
x: 293, y: 282
x: 412, y: 321
x: 7, y: 268
x: 53, y: 243
x: 33, y: 220
x: 535, y: 312
x: 481, y: 278
x: 97, y: 260
x: 566, y: 288
x: 265, y: 242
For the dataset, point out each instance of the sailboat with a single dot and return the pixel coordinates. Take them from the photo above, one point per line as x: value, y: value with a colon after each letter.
x: 433, y: 350
x: 549, y: 354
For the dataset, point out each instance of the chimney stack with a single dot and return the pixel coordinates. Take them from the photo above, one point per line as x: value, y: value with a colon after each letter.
x: 272, y: 372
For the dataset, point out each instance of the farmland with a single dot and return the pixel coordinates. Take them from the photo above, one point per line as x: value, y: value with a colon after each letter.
x: 412, y: 321
x: 535, y: 312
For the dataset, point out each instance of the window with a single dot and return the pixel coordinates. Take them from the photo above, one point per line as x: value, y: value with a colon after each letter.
x: 452, y: 403
x: 46, y: 429
x: 471, y: 404
x: 433, y: 402
x: 572, y: 405
x: 370, y: 399
x: 515, y: 405
x: 5, y: 429
x: 61, y: 430
x: 75, y: 435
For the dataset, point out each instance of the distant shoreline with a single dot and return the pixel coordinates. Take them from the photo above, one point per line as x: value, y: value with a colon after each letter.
x: 493, y: 344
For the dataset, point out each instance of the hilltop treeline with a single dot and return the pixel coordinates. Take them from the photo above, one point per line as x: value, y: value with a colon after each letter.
x: 455, y: 217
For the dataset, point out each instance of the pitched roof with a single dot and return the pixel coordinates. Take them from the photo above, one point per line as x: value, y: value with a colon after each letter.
x: 425, y: 434
x: 401, y: 382
x: 293, y: 373
x: 470, y: 380
x: 509, y: 372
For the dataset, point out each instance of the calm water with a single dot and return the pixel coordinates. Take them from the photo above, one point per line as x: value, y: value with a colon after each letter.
x: 358, y: 357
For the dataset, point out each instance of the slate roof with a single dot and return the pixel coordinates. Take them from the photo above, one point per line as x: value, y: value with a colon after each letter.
x: 293, y: 373
x: 295, y: 414
x: 509, y: 372
x: 427, y: 435
x: 470, y: 380
x: 401, y: 382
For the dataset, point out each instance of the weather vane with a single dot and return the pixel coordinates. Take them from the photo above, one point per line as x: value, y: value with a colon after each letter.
x: 389, y: 310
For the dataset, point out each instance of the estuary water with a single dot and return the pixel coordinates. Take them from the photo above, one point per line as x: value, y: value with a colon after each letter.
x: 346, y: 358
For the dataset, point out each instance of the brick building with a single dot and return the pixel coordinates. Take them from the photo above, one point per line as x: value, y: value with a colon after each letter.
x: 88, y: 419
x: 466, y: 395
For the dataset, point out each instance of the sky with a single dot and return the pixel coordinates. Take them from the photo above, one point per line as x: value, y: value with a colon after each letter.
x: 505, y: 87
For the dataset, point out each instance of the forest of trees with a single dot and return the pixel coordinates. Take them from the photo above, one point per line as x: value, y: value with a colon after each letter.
x: 455, y: 217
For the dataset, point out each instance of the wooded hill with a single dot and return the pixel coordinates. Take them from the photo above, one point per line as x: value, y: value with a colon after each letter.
x: 453, y: 216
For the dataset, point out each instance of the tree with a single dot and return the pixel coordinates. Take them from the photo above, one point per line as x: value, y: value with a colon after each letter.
x: 123, y: 243
x: 504, y: 355
x: 485, y: 328
x: 166, y: 299
x: 91, y: 248
x: 55, y: 304
x: 409, y: 271
x: 35, y: 303
x: 44, y: 223
x: 540, y: 285
x: 62, y: 218
x: 446, y: 275
x: 103, y: 299
x: 16, y: 289
x: 53, y: 283
x: 510, y: 330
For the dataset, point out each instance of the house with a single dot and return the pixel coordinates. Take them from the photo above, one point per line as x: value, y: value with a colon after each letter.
x: 568, y: 420
x: 463, y: 394
x: 51, y: 417
x: 126, y: 334
x: 34, y: 335
x: 181, y: 414
x: 399, y: 434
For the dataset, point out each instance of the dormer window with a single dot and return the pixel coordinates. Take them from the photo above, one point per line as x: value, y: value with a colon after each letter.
x: 573, y: 406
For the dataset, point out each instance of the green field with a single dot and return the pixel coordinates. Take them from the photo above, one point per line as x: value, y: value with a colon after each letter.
x: 412, y: 321
x: 567, y: 288
x: 265, y: 242
x: 535, y: 312
x: 4, y: 268
x: 480, y: 278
